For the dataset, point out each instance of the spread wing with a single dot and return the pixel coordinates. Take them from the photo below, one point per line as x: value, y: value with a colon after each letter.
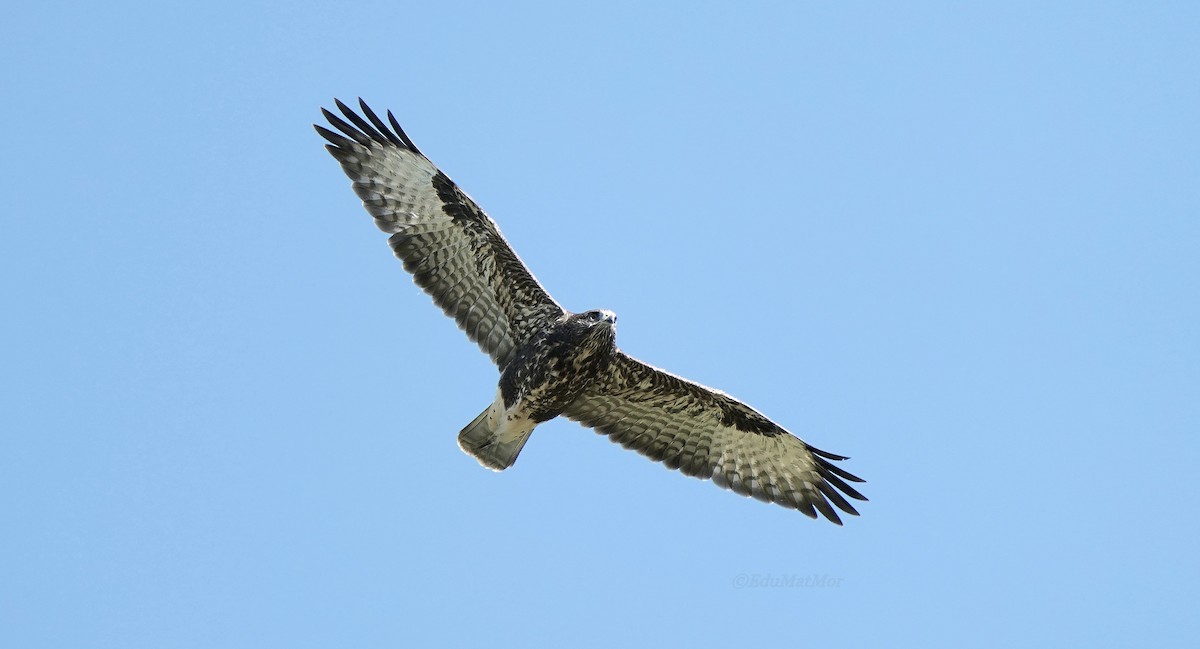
x: 708, y: 434
x: 453, y: 249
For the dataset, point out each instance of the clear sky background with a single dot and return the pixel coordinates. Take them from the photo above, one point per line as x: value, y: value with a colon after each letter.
x: 958, y: 242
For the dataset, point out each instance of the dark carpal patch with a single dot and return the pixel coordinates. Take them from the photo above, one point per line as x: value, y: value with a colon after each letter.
x: 749, y: 421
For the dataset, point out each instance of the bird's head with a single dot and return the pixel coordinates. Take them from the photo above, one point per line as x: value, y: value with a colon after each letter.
x: 598, y: 326
x: 600, y: 317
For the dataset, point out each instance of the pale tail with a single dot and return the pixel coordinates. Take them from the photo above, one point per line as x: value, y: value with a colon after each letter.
x: 493, y: 448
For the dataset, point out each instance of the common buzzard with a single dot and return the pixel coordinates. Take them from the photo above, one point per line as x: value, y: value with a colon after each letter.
x: 554, y: 362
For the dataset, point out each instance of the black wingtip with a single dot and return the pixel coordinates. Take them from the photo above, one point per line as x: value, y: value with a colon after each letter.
x: 379, y: 125
x: 827, y: 454
x: 362, y: 124
x: 403, y: 136
x: 836, y: 498
x: 826, y: 510
x: 839, y: 484
x: 347, y: 129
x: 366, y: 131
x: 328, y: 134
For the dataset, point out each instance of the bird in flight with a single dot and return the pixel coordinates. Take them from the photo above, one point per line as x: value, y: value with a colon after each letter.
x: 554, y: 362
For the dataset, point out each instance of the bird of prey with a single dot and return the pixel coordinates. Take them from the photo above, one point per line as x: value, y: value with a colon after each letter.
x: 554, y: 362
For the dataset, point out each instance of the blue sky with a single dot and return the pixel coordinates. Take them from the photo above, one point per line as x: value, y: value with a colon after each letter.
x: 957, y: 242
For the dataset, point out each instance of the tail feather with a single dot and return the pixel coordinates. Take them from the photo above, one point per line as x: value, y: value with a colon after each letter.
x: 485, y: 440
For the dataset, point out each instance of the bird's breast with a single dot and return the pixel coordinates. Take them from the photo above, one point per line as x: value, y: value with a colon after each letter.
x: 547, y: 374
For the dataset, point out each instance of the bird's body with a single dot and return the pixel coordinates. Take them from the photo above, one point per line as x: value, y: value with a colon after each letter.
x: 549, y: 372
x: 553, y: 362
x: 544, y: 377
